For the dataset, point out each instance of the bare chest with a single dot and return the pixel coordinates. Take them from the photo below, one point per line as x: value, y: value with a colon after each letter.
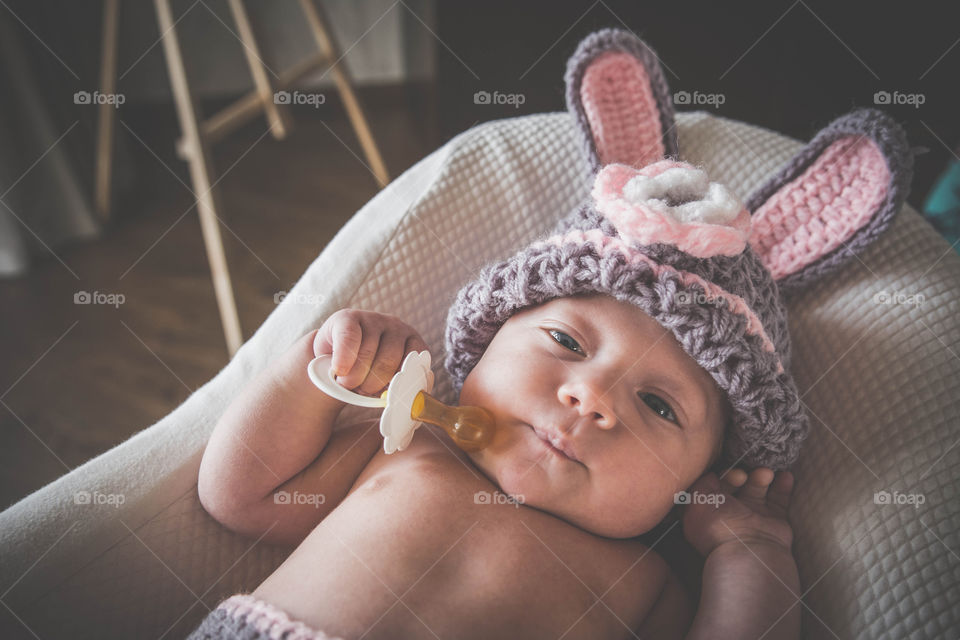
x: 425, y: 544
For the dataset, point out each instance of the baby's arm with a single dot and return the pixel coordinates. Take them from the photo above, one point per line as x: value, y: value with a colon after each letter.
x: 751, y: 586
x: 277, y: 435
x: 750, y: 590
x: 263, y: 443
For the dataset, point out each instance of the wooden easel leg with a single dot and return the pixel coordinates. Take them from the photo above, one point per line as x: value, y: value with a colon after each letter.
x: 106, y: 111
x: 201, y: 172
x: 324, y: 38
x: 277, y: 115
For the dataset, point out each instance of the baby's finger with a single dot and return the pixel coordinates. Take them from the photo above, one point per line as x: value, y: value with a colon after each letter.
x: 323, y: 340
x: 779, y: 493
x: 387, y: 362
x: 340, y: 336
x: 733, y: 479
x: 365, y: 354
x: 756, y: 485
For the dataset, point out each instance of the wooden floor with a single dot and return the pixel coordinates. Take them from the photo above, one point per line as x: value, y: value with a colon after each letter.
x: 78, y: 379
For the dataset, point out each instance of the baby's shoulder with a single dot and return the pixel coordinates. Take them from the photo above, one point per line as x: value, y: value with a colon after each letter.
x: 426, y: 462
x: 671, y: 611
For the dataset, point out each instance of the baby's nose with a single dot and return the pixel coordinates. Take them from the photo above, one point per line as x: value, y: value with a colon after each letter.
x: 589, y: 402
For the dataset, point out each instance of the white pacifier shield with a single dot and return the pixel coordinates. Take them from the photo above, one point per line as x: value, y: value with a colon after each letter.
x: 396, y: 425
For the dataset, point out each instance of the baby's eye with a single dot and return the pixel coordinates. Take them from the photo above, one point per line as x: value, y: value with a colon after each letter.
x: 575, y: 348
x: 660, y: 405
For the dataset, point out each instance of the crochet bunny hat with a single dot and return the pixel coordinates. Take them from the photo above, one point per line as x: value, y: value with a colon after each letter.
x: 658, y: 234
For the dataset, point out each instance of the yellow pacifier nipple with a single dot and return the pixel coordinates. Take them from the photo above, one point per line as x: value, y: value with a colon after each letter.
x: 471, y: 428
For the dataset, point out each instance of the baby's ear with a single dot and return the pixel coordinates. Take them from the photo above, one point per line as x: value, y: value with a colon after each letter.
x: 832, y: 200
x: 617, y: 95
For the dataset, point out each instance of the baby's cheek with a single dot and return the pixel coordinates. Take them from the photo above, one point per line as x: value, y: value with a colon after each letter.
x: 492, y: 388
x: 635, y: 503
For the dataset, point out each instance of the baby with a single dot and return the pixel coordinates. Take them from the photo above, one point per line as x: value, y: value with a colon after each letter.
x: 630, y: 365
x: 637, y: 362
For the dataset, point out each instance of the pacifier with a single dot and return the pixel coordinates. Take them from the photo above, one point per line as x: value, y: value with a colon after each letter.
x: 407, y: 404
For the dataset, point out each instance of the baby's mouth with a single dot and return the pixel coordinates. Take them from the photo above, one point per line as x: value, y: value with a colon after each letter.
x: 554, y: 444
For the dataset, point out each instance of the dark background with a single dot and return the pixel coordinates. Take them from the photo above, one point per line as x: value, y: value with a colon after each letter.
x: 798, y: 63
x: 788, y: 65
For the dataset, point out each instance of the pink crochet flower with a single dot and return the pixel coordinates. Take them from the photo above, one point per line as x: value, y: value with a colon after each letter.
x: 674, y: 203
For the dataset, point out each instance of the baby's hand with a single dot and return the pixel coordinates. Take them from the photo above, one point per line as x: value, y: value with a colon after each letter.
x: 753, y: 509
x: 367, y: 347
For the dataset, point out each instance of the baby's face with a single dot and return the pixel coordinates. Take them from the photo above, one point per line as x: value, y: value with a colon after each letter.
x: 642, y: 419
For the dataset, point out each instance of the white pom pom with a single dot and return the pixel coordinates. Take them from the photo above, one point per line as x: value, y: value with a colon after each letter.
x: 686, y: 195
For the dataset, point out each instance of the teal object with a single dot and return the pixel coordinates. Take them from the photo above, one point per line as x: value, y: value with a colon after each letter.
x: 942, y: 207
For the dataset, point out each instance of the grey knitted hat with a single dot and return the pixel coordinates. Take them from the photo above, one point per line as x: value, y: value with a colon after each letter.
x: 656, y: 233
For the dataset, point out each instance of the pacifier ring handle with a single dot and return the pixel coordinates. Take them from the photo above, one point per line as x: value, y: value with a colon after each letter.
x: 321, y: 374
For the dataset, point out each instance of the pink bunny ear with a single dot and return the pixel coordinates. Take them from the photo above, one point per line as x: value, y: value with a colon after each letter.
x: 620, y: 101
x: 832, y: 200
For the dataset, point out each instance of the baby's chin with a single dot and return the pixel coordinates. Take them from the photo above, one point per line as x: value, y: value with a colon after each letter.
x: 561, y: 492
